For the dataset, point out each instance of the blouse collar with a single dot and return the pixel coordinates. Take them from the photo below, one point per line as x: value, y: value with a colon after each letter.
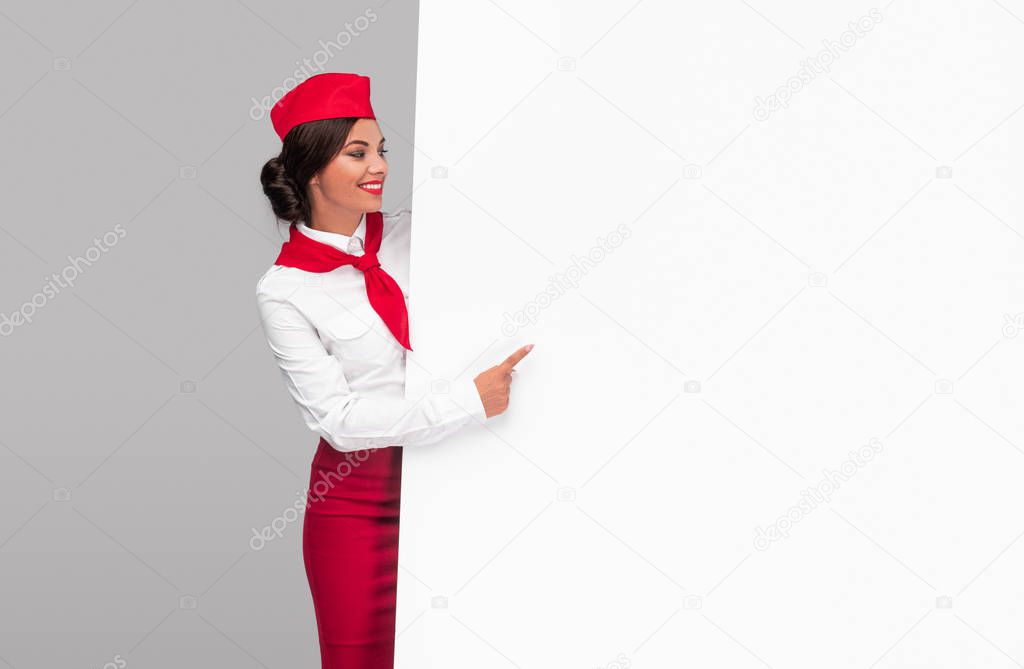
x: 352, y: 244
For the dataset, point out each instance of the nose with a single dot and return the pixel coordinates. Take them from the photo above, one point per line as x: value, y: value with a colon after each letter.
x: 379, y: 167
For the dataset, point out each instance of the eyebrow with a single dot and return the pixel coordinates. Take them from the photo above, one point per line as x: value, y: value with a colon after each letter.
x: 359, y: 141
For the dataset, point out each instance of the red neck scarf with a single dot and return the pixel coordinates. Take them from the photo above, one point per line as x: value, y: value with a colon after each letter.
x: 306, y: 253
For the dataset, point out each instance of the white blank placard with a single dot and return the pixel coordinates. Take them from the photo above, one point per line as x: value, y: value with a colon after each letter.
x: 771, y: 259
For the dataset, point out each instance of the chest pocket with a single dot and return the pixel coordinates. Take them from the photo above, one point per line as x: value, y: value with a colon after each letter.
x: 357, y: 333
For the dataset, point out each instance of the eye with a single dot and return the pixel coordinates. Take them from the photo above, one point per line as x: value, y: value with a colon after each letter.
x: 360, y: 154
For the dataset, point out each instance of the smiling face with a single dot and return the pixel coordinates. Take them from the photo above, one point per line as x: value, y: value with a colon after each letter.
x: 354, y: 179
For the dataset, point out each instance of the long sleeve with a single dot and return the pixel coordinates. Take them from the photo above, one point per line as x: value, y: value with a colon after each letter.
x: 349, y: 420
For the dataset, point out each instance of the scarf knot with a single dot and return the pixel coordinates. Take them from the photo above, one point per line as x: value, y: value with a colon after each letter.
x: 366, y: 261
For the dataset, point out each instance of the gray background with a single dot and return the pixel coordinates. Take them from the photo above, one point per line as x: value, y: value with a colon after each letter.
x: 145, y: 427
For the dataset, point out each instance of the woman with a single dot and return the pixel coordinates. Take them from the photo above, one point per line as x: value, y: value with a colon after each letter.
x: 334, y: 315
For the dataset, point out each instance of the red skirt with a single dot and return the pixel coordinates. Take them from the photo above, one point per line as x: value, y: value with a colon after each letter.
x: 350, y: 550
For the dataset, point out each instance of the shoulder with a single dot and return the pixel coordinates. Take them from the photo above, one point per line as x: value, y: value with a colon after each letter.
x: 279, y: 299
x: 403, y: 214
x: 396, y: 221
x: 278, y: 282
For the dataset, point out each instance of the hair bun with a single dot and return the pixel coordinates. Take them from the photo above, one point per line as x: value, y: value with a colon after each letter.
x: 286, y: 198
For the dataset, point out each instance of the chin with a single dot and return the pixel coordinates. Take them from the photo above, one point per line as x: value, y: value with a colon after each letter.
x: 366, y: 207
x: 367, y: 202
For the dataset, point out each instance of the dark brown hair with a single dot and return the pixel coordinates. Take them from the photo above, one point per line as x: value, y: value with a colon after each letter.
x: 306, y: 149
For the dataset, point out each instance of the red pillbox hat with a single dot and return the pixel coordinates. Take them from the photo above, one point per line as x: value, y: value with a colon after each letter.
x: 326, y: 95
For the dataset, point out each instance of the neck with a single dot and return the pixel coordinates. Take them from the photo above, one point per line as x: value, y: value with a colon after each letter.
x: 335, y: 219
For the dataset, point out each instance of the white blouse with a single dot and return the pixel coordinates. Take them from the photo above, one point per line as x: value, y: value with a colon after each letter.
x: 340, y: 363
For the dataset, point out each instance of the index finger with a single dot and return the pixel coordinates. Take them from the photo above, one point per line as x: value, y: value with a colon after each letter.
x: 513, y: 359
